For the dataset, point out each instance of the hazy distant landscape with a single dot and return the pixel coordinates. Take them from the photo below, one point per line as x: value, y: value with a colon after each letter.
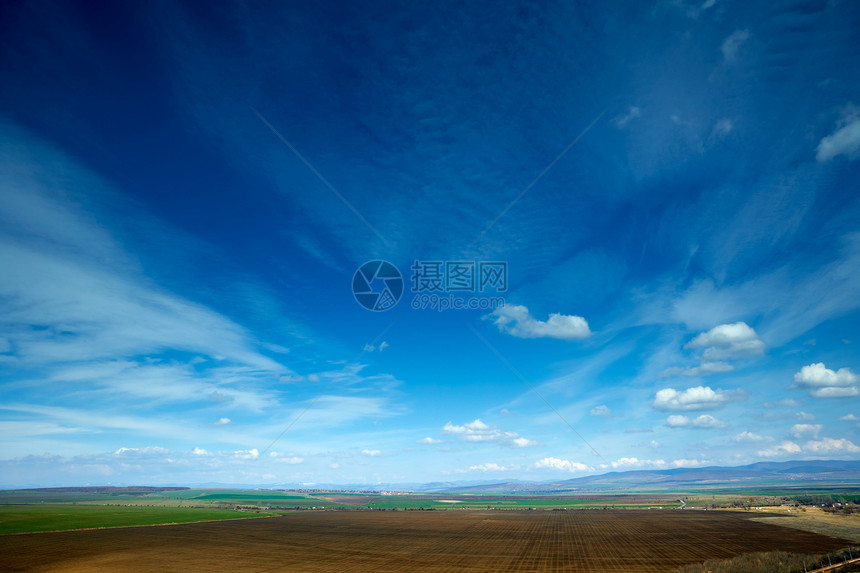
x: 789, y: 516
x: 792, y: 512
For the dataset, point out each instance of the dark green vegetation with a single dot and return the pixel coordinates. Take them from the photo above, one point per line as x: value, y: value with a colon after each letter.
x: 776, y: 561
x: 50, y: 517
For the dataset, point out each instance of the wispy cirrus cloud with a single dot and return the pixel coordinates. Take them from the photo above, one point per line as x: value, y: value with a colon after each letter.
x: 843, y: 141
x: 732, y: 45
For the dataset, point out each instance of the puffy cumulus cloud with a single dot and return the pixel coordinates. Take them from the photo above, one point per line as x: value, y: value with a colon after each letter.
x: 805, y: 416
x: 697, y: 398
x: 622, y: 463
x: 781, y: 449
x: 516, y: 321
x: 563, y: 465
x: 490, y: 467
x: 831, y: 446
x: 702, y: 422
x: 750, y: 437
x: 736, y: 340
x: 800, y: 430
x: 704, y: 369
x: 686, y: 463
x: 601, y: 410
x: 733, y: 43
x: 223, y: 421
x: 145, y: 451
x: 251, y: 454
x: 843, y: 141
x: 428, y: 440
x: 371, y: 453
x: 849, y: 418
x: 478, y: 431
x: 200, y: 452
x: 822, y: 382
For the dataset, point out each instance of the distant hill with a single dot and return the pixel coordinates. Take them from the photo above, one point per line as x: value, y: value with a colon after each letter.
x: 806, y: 473
x: 799, y: 473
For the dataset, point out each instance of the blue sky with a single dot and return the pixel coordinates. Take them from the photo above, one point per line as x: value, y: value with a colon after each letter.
x: 187, y: 190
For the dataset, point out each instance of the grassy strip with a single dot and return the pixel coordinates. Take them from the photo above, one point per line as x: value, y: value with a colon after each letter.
x: 51, y: 517
x: 771, y: 562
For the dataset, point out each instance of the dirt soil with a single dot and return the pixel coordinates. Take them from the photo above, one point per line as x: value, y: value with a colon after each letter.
x: 474, y: 541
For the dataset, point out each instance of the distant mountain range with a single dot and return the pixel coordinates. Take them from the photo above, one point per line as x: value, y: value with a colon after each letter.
x: 799, y: 473
x: 807, y: 473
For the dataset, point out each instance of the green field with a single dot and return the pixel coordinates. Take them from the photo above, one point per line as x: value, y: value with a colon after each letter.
x: 50, y: 517
x: 73, y: 508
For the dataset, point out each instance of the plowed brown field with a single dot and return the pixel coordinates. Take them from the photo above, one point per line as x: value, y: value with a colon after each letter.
x: 628, y: 541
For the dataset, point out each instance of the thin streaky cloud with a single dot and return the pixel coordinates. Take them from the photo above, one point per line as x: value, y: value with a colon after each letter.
x: 324, y: 390
x: 321, y: 178
x: 533, y: 389
x: 538, y: 178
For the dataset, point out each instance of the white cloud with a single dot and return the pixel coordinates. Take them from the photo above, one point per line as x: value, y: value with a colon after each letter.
x: 697, y: 398
x: 146, y: 451
x: 843, y: 141
x: 849, y: 418
x: 736, y: 340
x: 722, y: 127
x: 251, y: 454
x: 428, y: 440
x: 516, y: 321
x: 732, y: 44
x: 832, y: 446
x: 371, y: 453
x: 222, y: 421
x: 622, y: 120
x: 781, y: 449
x: 563, y: 465
x: 478, y: 431
x: 800, y: 430
x: 805, y: 416
x: 282, y: 459
x: 200, y: 452
x: 687, y: 463
x: 704, y: 369
x: 632, y: 462
x: 703, y: 422
x: 750, y: 437
x: 491, y: 467
x: 784, y: 402
x: 693, y: 9
x: 822, y: 382
x: 601, y: 410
